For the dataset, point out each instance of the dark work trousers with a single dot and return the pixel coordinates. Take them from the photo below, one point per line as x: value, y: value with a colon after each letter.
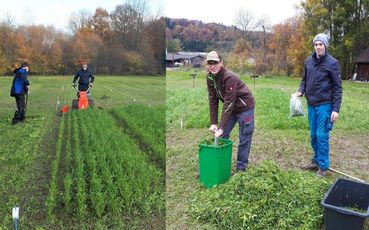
x: 246, y: 122
x: 19, y: 114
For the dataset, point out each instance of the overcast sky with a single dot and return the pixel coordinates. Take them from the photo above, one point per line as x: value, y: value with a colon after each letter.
x: 57, y: 12
x: 225, y: 11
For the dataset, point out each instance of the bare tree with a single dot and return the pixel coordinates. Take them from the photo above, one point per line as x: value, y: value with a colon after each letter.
x: 79, y: 20
x: 246, y: 22
x: 128, y: 22
x: 9, y: 21
x: 266, y: 26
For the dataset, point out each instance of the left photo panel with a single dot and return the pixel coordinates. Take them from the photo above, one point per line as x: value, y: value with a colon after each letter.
x: 82, y: 115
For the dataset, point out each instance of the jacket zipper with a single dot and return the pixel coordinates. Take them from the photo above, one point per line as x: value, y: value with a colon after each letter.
x: 211, y: 77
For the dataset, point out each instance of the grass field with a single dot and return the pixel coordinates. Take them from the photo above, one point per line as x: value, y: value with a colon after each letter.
x: 87, y: 169
x: 276, y: 138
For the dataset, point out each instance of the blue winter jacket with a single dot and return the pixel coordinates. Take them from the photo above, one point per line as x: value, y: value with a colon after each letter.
x: 85, y: 77
x: 20, y: 82
x: 322, y: 82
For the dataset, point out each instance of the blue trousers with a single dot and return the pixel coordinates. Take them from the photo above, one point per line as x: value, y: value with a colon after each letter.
x: 320, y: 126
x: 246, y: 122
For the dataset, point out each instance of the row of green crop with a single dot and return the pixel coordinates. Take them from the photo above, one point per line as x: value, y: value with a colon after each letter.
x: 51, y: 200
x: 18, y: 151
x: 104, y: 174
x: 147, y: 123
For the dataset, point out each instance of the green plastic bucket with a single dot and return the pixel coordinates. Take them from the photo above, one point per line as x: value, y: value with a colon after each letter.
x: 215, y: 162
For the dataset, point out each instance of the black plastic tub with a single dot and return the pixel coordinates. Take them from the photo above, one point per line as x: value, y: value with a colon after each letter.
x: 346, y: 205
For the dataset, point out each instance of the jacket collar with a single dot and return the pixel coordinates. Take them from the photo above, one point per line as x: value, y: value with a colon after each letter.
x: 316, y: 59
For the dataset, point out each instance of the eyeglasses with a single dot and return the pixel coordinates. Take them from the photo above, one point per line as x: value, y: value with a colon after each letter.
x: 212, y: 62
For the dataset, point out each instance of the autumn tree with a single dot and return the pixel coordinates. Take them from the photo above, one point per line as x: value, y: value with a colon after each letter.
x: 100, y: 24
x: 79, y: 20
x: 347, y: 24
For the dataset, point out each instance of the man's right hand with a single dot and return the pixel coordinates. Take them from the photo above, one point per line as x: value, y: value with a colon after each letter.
x: 298, y: 94
x: 213, y: 128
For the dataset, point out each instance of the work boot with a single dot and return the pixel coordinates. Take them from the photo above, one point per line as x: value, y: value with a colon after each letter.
x: 16, y: 117
x: 14, y: 121
x: 321, y: 172
x: 310, y: 166
x: 22, y: 115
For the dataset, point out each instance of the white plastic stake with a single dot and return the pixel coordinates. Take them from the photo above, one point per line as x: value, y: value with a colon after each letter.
x: 181, y: 123
x: 15, y: 212
x: 216, y: 141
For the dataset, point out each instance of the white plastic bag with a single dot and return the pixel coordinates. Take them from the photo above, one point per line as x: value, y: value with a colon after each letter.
x: 296, y: 108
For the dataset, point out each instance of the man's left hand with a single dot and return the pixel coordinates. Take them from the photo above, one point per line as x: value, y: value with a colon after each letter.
x: 334, y: 116
x: 218, y: 133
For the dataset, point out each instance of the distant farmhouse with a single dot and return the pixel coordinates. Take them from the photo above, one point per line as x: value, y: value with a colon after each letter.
x: 362, y: 66
x: 194, y: 59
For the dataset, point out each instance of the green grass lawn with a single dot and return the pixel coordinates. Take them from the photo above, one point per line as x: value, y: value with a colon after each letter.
x: 277, y: 138
x: 27, y: 150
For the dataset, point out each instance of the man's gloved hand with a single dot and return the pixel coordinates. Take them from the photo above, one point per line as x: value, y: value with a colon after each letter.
x: 91, y: 84
x: 213, y: 128
x: 28, y: 89
x: 218, y: 133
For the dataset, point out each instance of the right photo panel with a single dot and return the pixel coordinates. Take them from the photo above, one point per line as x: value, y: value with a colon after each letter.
x: 266, y: 114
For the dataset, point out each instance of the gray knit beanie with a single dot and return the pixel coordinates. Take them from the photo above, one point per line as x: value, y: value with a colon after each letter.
x: 323, y: 38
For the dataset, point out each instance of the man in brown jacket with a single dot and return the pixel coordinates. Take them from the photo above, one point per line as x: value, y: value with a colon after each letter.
x: 238, y: 106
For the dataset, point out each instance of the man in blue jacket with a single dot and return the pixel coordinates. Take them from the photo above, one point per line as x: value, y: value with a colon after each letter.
x: 322, y: 87
x: 86, y: 78
x: 20, y: 87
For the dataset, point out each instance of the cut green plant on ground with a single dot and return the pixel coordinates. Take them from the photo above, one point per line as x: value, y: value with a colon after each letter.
x: 274, y: 193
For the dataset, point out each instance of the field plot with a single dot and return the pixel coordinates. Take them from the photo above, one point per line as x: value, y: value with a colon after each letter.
x: 83, y: 170
x: 259, y: 198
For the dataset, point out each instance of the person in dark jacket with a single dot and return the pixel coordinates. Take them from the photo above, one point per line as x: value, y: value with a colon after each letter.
x: 238, y: 106
x: 322, y: 87
x: 20, y: 87
x: 86, y: 78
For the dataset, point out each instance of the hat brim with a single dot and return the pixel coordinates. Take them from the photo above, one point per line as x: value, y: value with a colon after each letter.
x: 213, y: 59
